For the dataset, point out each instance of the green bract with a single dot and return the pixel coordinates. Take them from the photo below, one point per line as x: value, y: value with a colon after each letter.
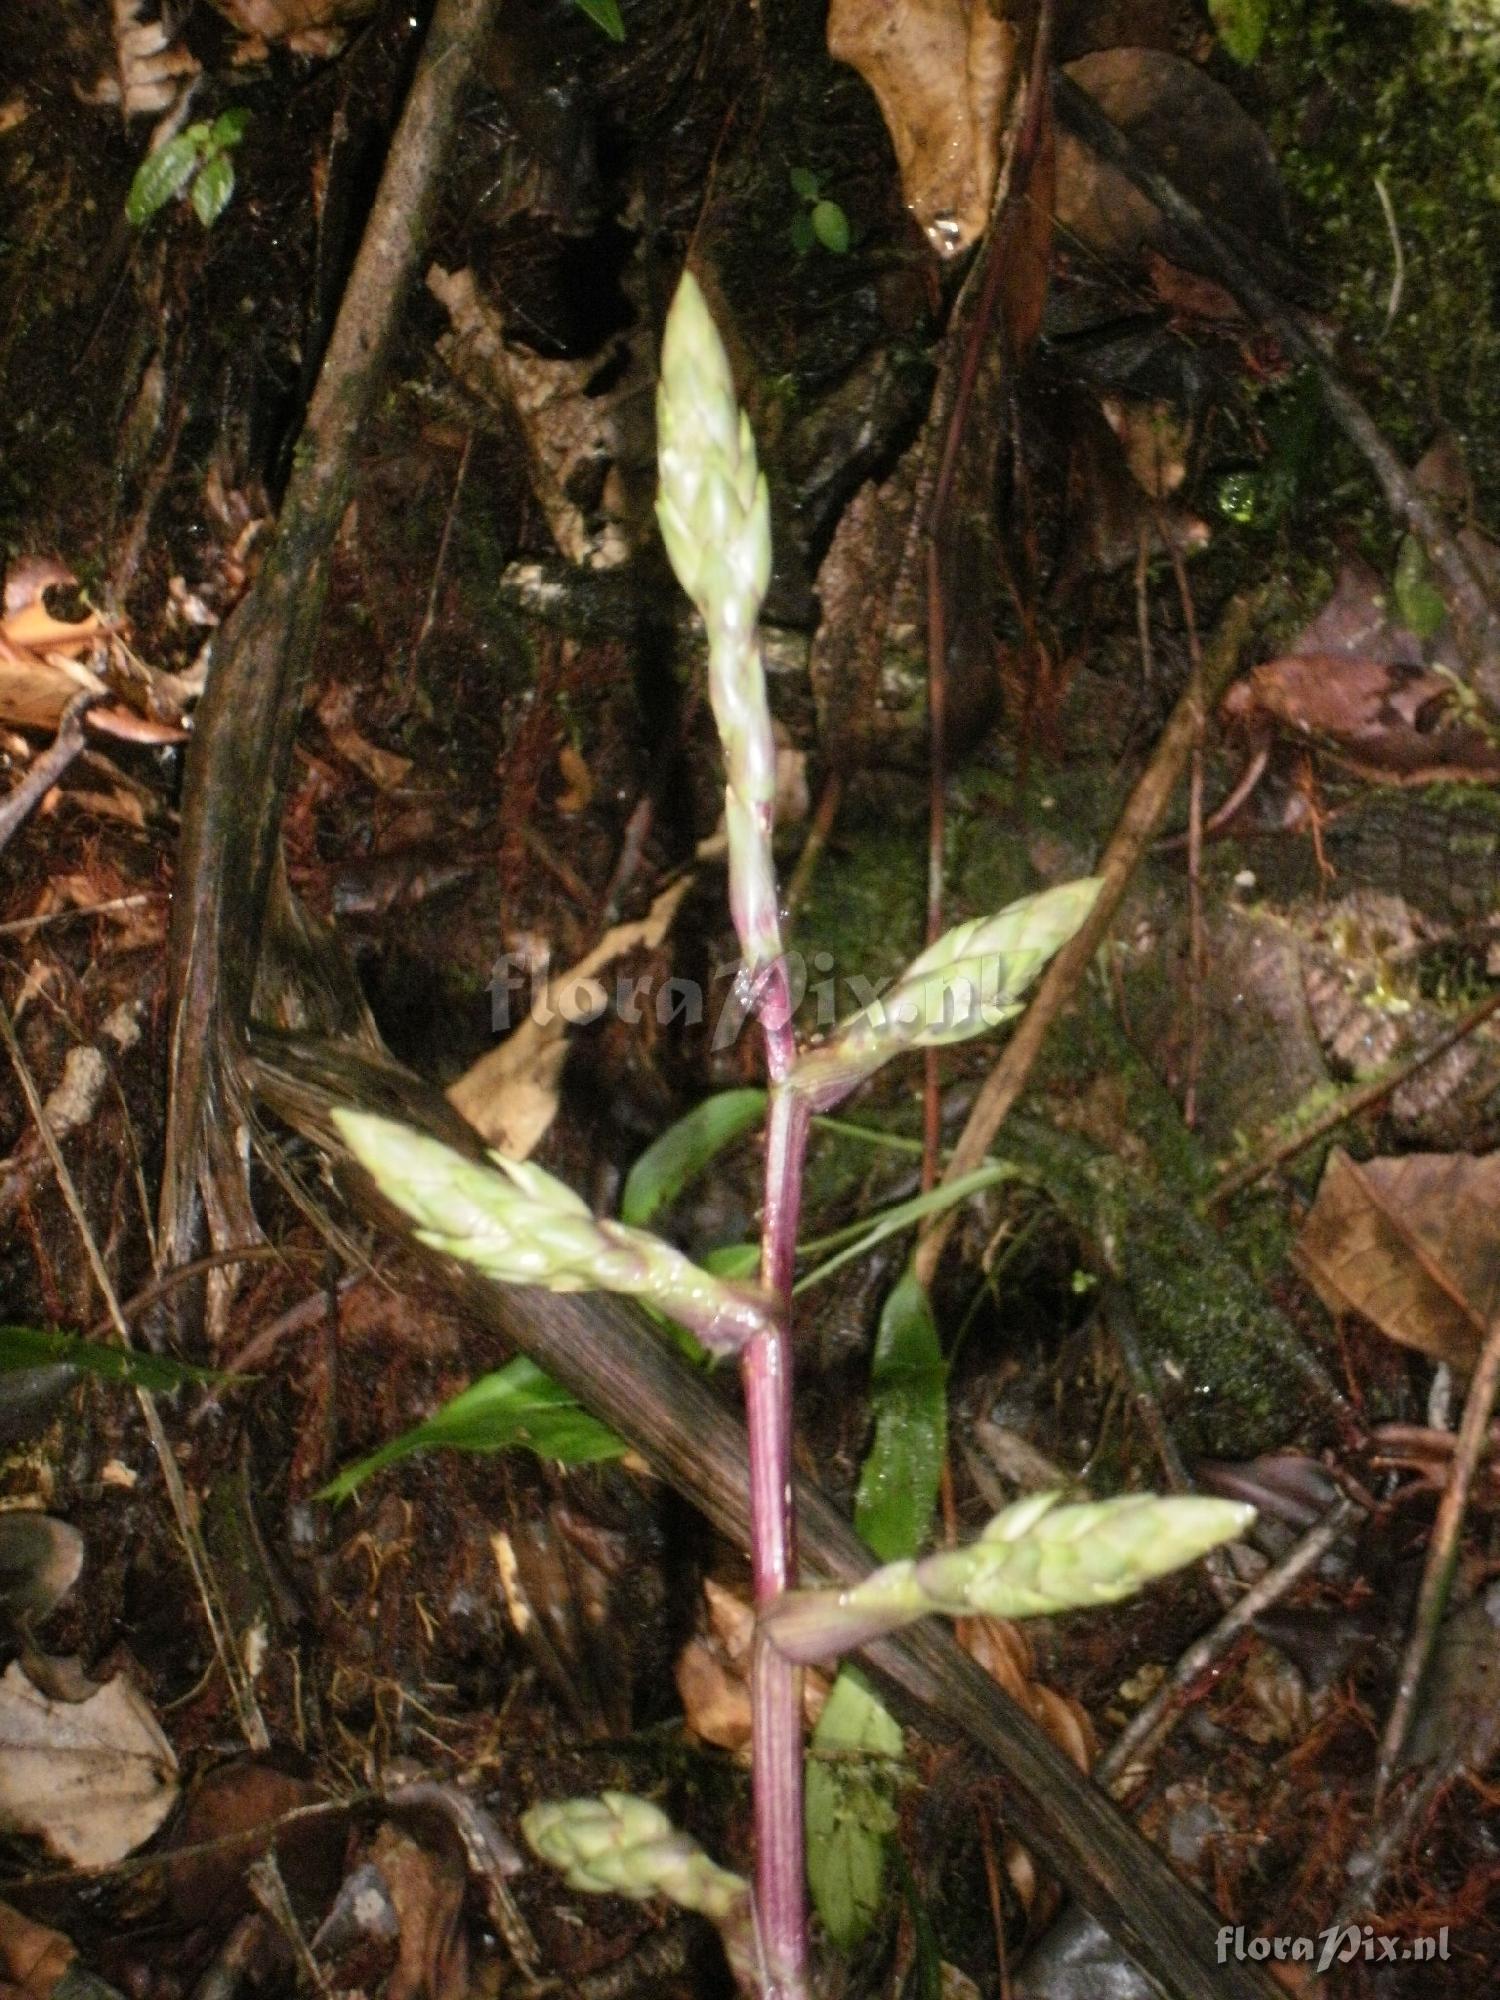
x: 715, y: 518
x: 972, y: 979
x: 517, y: 1223
x: 1033, y: 1560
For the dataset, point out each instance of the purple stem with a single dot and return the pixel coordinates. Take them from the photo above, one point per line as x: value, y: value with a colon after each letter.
x: 766, y: 1370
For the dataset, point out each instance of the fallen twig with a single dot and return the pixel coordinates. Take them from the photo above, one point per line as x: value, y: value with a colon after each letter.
x: 1128, y: 844
x: 1352, y: 1103
x: 1442, y: 1557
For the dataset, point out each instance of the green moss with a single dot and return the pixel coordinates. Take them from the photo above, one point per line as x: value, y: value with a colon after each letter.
x: 1410, y: 99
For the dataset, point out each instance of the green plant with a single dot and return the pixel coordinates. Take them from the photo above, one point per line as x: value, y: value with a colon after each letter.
x: 819, y: 220
x: 519, y: 1225
x: 198, y: 160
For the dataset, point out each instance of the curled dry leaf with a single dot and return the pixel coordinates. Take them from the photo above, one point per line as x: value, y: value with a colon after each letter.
x: 1413, y: 1244
x: 93, y: 1779
x: 510, y: 1095
x: 942, y: 72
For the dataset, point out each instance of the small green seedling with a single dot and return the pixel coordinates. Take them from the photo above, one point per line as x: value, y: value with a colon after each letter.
x: 820, y: 220
x: 196, y: 161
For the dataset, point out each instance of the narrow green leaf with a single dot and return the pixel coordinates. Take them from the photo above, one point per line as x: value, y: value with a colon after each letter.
x: 851, y: 1812
x: 31, y: 1347
x: 898, y: 1482
x: 1241, y: 26
x: 517, y: 1405
x: 1418, y: 599
x: 605, y: 14
x: 801, y: 235
x: 229, y: 128
x: 163, y: 174
x: 830, y: 226
x: 684, y: 1150
x: 210, y: 192
x: 804, y: 183
x: 862, y: 1237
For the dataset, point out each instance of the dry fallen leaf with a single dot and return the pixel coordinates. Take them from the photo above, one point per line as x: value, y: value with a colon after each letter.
x: 33, y: 1959
x: 941, y: 71
x: 1413, y: 1244
x: 510, y: 1095
x: 1390, y: 723
x: 93, y: 1779
x: 713, y: 1673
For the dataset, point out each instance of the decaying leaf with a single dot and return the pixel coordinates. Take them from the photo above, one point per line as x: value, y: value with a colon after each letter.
x: 942, y: 72
x: 1392, y: 723
x: 510, y: 1095
x: 150, y: 65
x: 386, y: 769
x: 311, y: 27
x: 1413, y: 1244
x: 40, y: 1561
x: 713, y: 1673
x: 591, y: 456
x: 33, y: 1959
x: 93, y: 1779
x: 1186, y: 124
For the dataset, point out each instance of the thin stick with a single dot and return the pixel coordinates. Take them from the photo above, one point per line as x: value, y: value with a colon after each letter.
x: 1154, y: 1721
x: 1197, y: 940
x: 1128, y: 844
x: 1442, y: 1558
x: 829, y: 800
x: 18, y: 804
x: 1353, y: 1103
x: 252, y: 1723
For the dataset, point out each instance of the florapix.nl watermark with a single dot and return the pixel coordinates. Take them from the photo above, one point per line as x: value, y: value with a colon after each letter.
x: 522, y: 988
x: 1339, y: 1944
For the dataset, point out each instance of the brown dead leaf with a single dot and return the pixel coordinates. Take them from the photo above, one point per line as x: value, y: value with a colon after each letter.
x: 1413, y: 1244
x: 232, y: 1815
x: 94, y: 1779
x: 386, y: 769
x: 427, y: 1893
x: 1187, y: 125
x: 311, y: 27
x: 942, y: 73
x: 1004, y: 1651
x: 32, y: 1958
x: 510, y: 1095
x: 578, y: 781
x: 1155, y: 439
x: 1390, y: 723
x: 713, y: 1673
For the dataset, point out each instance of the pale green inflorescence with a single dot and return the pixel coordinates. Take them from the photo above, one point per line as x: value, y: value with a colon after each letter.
x: 971, y: 980
x: 620, y: 1845
x: 522, y: 1226
x: 715, y: 520
x: 1035, y: 1559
